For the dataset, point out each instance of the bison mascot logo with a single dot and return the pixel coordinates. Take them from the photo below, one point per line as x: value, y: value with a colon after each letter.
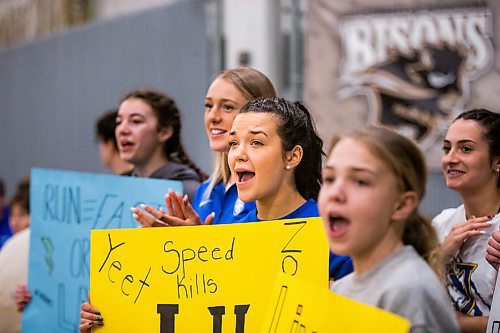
x: 415, y: 69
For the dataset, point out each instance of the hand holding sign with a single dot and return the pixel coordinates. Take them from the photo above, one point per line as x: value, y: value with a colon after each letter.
x: 90, y: 317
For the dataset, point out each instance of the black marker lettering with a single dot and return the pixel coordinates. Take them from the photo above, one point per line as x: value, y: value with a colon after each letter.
x: 167, y: 317
x: 111, y: 248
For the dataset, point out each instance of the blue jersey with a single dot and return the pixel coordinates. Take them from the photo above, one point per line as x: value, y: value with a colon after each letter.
x: 308, y: 209
x: 5, y: 231
x: 225, y: 203
x: 339, y: 266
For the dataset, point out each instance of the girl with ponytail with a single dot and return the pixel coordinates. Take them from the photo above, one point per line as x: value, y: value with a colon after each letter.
x: 471, y: 167
x: 373, y: 182
x: 148, y: 133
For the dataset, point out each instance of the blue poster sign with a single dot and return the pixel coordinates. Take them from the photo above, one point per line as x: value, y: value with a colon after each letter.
x: 65, y: 206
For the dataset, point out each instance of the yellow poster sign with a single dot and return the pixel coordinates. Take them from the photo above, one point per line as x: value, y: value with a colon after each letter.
x: 300, y: 306
x: 216, y: 278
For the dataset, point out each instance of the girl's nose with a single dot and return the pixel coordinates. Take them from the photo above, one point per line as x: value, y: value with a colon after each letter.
x: 214, y: 114
x: 450, y: 157
x: 336, y: 191
x: 122, y: 127
x: 241, y: 154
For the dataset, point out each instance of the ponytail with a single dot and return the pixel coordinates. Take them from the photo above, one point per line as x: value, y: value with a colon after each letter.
x: 420, y: 234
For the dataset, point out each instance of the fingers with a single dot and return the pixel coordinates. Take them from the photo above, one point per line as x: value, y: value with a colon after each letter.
x: 180, y: 213
x: 23, y: 297
x: 90, y: 317
x: 493, y: 260
x: 493, y: 250
x: 189, y: 212
x: 496, y: 238
x: 157, y: 214
x: 85, y: 326
x: 175, y: 221
x: 480, y: 220
x: 144, y: 219
x: 148, y: 220
x: 210, y: 218
x: 174, y: 204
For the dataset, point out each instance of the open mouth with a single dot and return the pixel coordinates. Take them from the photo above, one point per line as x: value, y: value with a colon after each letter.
x: 126, y: 145
x: 338, y: 225
x: 244, y: 176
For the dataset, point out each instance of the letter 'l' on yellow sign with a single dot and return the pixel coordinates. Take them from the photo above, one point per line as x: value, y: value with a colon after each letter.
x: 299, y: 306
x: 216, y: 278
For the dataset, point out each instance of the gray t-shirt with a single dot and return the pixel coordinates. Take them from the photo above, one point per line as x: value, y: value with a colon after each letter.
x: 405, y: 285
x: 177, y: 171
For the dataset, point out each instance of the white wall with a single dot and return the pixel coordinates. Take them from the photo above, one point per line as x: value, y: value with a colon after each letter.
x: 253, y: 26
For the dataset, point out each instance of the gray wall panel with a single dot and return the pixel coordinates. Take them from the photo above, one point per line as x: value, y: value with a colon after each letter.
x: 52, y: 90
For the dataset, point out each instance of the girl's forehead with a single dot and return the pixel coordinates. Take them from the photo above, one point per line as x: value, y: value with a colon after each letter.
x: 465, y: 129
x: 255, y: 119
x: 135, y: 106
x: 353, y: 153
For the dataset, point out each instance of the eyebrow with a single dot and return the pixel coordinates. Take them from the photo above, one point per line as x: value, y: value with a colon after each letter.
x: 251, y: 132
x: 355, y: 169
x: 259, y: 132
x: 222, y: 100
x: 461, y: 141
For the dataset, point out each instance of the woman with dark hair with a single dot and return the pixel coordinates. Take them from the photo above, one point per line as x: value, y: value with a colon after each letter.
x: 148, y: 133
x: 276, y: 155
x: 471, y: 167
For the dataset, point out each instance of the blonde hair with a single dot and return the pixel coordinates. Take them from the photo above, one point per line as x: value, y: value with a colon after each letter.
x: 407, y: 163
x: 252, y: 84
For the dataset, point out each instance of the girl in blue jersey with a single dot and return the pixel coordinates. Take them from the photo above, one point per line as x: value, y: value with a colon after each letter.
x: 373, y: 182
x: 276, y: 155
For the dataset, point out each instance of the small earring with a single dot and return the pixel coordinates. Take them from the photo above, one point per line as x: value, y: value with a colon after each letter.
x: 288, y: 166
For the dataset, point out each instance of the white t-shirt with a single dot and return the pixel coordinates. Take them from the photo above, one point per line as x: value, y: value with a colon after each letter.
x: 470, y: 279
x: 13, y: 271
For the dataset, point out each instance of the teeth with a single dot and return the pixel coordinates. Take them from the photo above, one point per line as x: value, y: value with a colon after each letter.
x: 217, y: 131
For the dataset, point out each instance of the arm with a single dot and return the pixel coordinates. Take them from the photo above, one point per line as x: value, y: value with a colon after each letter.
x: 470, y: 324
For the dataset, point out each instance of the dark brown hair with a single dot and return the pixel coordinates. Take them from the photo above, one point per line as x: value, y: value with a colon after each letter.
x: 168, y: 115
